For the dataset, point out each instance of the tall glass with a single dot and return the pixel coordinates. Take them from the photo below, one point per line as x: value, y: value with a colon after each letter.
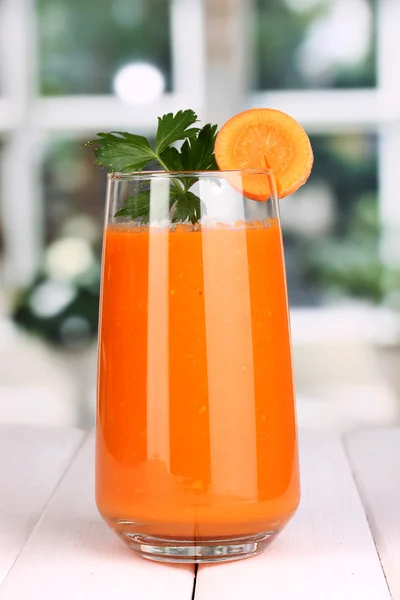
x: 196, y: 432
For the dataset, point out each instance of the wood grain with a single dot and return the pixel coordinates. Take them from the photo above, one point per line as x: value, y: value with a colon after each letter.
x: 375, y: 459
x: 72, y: 555
x: 32, y: 461
x: 326, y: 553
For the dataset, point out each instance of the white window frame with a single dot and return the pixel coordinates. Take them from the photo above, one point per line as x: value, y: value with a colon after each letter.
x: 374, y: 110
x: 25, y: 118
x: 208, y: 77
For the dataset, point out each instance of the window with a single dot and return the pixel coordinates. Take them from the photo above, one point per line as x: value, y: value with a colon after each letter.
x: 83, y: 44
x: 339, y: 82
x: 315, y: 44
x: 62, y: 81
x: 331, y: 228
x: 74, y: 190
x: 1, y: 218
x: 329, y: 63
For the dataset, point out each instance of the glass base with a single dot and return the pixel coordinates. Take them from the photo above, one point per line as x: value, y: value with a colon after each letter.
x: 200, y: 551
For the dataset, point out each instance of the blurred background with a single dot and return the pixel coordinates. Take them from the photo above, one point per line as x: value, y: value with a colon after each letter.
x: 71, y: 69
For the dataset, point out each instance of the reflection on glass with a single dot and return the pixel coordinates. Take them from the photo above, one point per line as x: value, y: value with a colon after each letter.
x: 331, y: 227
x: 315, y: 44
x: 82, y: 45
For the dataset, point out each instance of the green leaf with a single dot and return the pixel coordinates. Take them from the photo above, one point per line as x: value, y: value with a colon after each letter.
x: 173, y: 128
x: 172, y: 159
x: 188, y: 207
x: 136, y: 207
x: 198, y: 154
x: 122, y: 151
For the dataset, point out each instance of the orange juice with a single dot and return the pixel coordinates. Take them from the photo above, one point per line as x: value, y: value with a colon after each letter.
x: 196, y: 433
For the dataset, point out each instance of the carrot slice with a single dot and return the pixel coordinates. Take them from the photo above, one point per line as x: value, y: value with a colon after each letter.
x: 262, y: 138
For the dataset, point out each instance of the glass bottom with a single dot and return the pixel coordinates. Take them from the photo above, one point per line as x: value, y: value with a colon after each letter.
x: 200, y: 551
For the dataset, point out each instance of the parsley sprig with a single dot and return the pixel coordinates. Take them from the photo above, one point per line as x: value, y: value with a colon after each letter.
x: 126, y: 152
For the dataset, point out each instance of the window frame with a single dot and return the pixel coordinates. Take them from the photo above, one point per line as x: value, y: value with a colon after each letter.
x: 197, y: 63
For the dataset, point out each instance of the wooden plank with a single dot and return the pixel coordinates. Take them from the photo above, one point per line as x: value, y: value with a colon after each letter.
x: 72, y: 554
x: 326, y: 553
x: 32, y: 461
x: 375, y: 458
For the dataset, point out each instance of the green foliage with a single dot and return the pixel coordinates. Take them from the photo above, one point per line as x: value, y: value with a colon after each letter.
x: 175, y: 128
x: 280, y: 31
x: 120, y: 151
x: 83, y: 308
x: 82, y: 44
x: 199, y: 151
x: 188, y: 207
x: 172, y: 157
x: 352, y: 265
x: 137, y: 207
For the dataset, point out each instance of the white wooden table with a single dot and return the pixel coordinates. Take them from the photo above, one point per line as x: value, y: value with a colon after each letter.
x: 343, y: 544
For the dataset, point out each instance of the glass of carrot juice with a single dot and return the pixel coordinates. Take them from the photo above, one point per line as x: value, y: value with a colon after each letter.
x: 196, y: 456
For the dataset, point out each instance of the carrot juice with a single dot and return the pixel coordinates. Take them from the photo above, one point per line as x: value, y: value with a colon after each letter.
x: 196, y: 432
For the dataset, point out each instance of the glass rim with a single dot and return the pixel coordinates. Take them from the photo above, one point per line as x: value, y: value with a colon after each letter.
x: 119, y: 175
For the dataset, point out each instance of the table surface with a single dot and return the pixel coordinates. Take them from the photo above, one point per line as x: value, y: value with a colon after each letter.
x: 343, y: 544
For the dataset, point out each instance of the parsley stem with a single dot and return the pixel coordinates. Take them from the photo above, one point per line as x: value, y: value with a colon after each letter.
x: 162, y: 163
x: 166, y: 168
x: 127, y: 152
